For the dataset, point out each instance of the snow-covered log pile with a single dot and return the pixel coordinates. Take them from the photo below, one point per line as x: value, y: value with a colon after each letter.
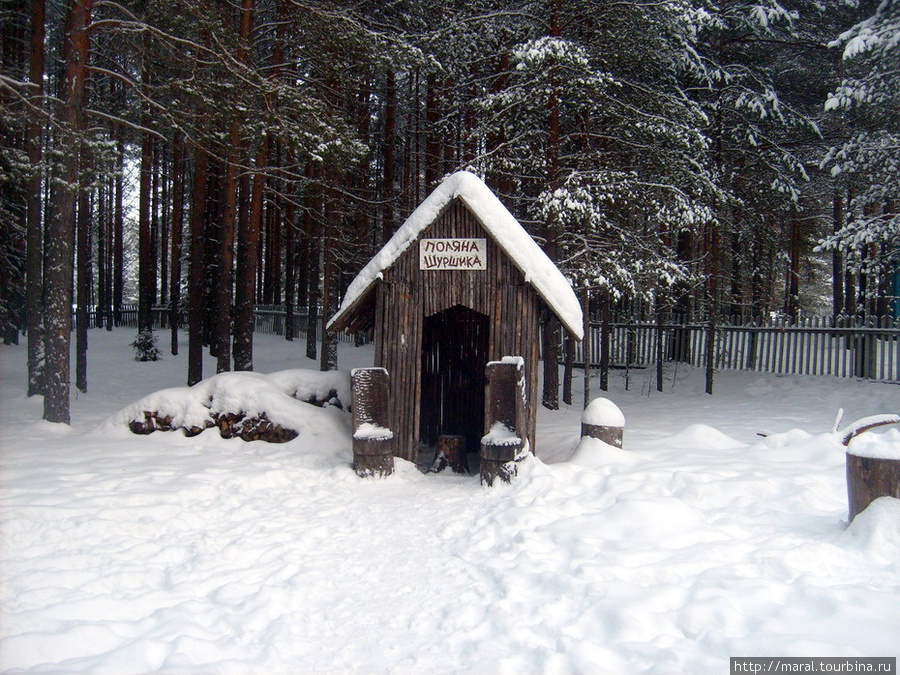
x: 246, y: 405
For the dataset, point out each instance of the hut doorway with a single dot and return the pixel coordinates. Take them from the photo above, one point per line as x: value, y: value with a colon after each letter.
x: 454, y: 356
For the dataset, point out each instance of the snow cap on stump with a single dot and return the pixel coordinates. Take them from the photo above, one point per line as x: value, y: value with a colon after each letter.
x: 602, y: 419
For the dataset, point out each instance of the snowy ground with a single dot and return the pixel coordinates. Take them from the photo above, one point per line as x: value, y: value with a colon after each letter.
x: 701, y: 540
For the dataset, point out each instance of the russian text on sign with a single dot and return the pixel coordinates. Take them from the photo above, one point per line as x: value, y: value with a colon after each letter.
x: 453, y: 254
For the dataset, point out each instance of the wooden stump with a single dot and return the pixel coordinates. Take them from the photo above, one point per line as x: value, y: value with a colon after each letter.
x: 505, y: 417
x: 372, y: 458
x: 603, y: 420
x: 372, y: 438
x: 451, y: 451
x: 869, y: 478
x: 499, y: 461
x: 609, y: 435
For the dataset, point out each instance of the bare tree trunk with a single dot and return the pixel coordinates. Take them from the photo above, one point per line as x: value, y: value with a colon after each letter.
x: 145, y: 245
x: 34, y: 231
x: 837, y: 261
x: 155, y: 174
x: 329, y: 279
x: 226, y: 249
x: 390, y: 152
x: 103, y: 229
x: 165, y: 212
x: 222, y: 318
x: 432, y: 153
x: 569, y: 369
x: 604, y: 342
x: 60, y: 230
x: 177, y: 230
x: 586, y: 342
x: 82, y: 289
x: 119, y: 233
x: 197, y: 273
x: 247, y: 260
x: 290, y: 262
x: 311, y: 231
x: 792, y: 290
x: 550, y: 398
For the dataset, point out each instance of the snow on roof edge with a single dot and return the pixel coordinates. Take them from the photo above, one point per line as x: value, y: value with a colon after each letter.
x: 537, y: 268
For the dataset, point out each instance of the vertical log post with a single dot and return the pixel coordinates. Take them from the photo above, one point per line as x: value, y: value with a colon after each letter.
x: 372, y: 437
x: 603, y: 420
x: 504, y: 443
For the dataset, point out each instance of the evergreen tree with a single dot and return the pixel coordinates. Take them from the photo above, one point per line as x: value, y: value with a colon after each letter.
x: 869, y: 98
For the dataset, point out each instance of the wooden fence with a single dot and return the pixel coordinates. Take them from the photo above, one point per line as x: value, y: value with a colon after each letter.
x: 845, y: 346
x: 270, y: 320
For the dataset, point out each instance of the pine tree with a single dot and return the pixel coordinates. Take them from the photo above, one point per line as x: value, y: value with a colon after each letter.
x: 869, y: 96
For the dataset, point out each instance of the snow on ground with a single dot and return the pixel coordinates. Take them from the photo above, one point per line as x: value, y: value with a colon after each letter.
x: 698, y: 541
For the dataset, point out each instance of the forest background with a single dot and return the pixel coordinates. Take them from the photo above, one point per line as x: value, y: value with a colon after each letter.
x: 692, y: 156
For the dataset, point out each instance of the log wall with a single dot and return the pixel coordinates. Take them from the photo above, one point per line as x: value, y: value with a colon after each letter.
x: 407, y: 295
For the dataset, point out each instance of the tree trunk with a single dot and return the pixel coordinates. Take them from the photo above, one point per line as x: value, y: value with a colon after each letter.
x: 328, y: 357
x: 569, y: 368
x: 154, y: 220
x: 550, y: 398
x: 177, y: 229
x: 145, y: 245
x: 197, y: 273
x: 390, y: 152
x: 247, y: 260
x: 586, y: 342
x: 604, y: 341
x: 58, y: 260
x: 165, y: 212
x: 223, y: 293
x: 34, y: 230
x: 226, y: 248
x: 103, y: 229
x: 310, y: 229
x: 432, y: 153
x: 119, y: 232
x: 792, y: 290
x: 290, y: 265
x: 837, y: 260
x: 82, y: 288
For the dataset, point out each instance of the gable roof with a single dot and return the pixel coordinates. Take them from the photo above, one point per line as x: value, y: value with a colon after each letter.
x: 538, y: 270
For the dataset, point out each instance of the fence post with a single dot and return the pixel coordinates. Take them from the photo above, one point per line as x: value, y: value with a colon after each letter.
x: 504, y: 444
x: 372, y: 437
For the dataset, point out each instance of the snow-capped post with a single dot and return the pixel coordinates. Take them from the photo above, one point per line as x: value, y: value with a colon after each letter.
x: 603, y: 420
x: 504, y: 443
x: 870, y: 475
x: 372, y: 437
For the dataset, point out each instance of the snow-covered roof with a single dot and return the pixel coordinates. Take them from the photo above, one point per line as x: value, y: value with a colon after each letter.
x: 526, y: 255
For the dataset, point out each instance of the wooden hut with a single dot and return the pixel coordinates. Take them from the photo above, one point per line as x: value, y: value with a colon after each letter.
x: 460, y: 284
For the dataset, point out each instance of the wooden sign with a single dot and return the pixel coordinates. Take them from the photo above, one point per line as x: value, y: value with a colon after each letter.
x: 453, y: 254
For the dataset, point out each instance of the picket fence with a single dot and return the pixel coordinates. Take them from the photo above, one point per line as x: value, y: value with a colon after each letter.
x: 863, y: 347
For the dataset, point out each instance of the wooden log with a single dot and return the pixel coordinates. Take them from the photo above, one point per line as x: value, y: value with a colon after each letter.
x: 869, y: 478
x: 505, y: 420
x: 373, y: 440
x: 603, y: 420
x: 609, y: 435
x: 451, y: 451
